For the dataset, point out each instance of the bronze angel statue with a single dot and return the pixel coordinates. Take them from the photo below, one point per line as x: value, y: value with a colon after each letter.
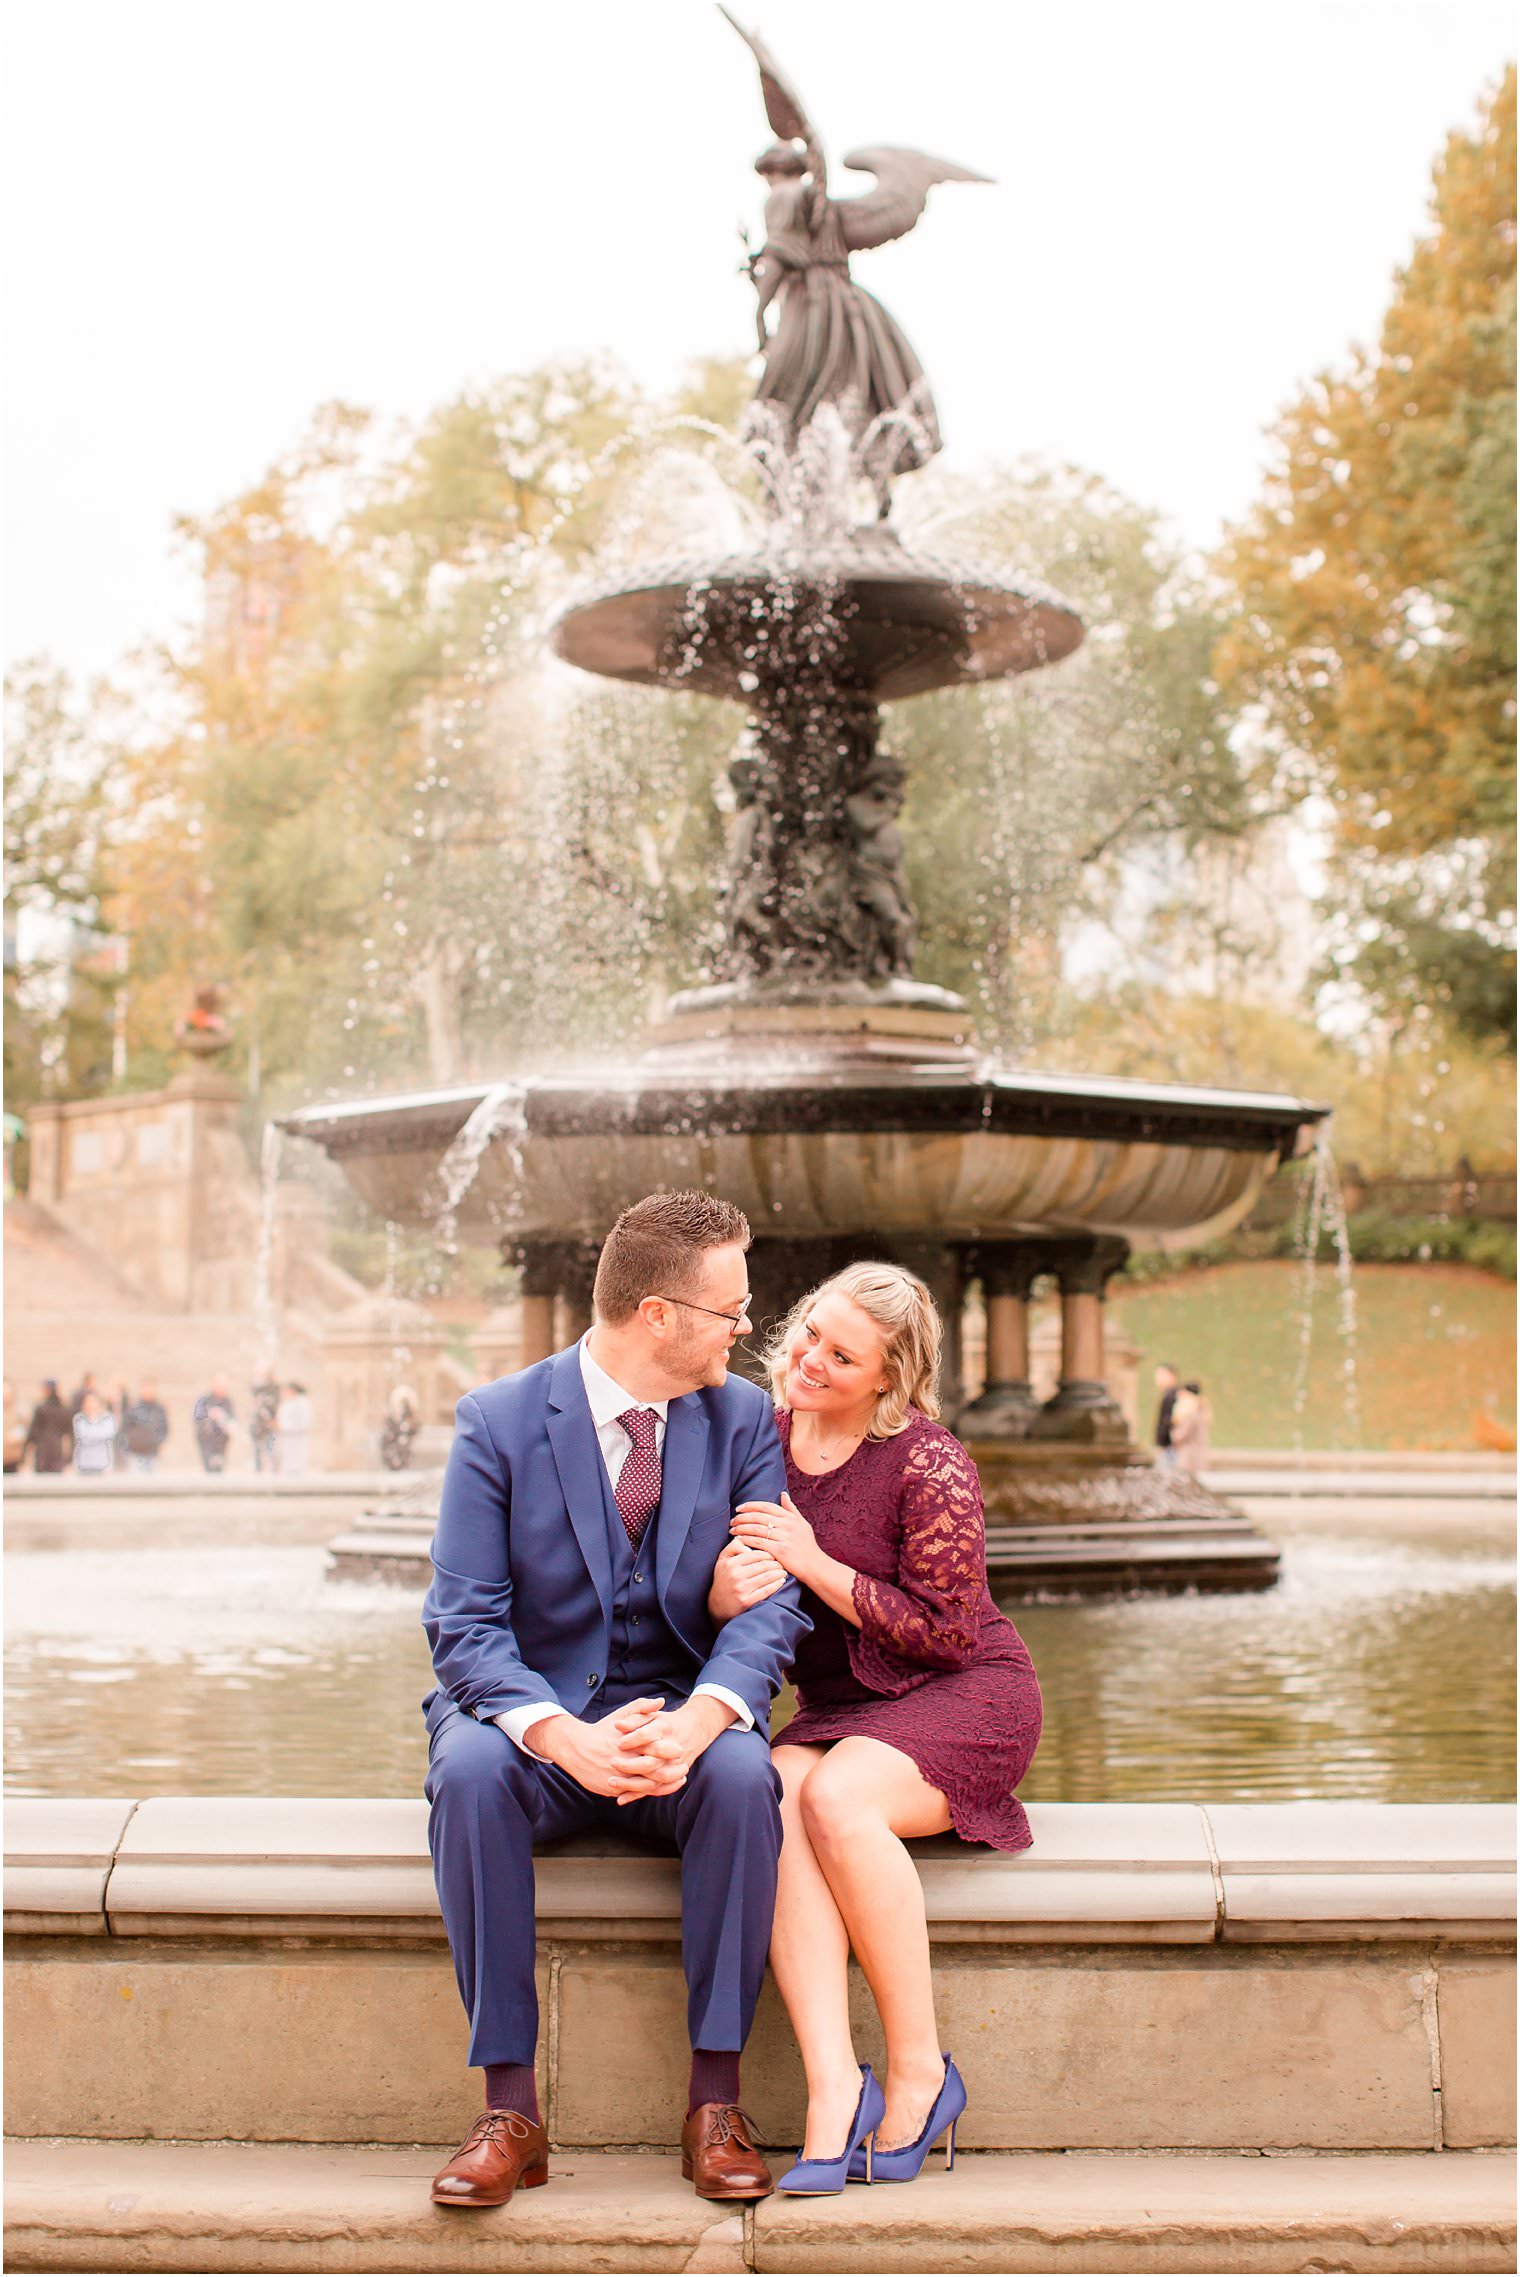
x: 832, y: 341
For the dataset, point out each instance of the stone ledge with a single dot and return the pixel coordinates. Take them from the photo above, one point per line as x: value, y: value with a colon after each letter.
x: 91, y: 2206
x: 1102, y: 1873
x: 58, y: 1859
x: 1365, y: 1869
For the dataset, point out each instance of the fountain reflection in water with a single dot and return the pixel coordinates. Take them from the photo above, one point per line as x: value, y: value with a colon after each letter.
x: 1382, y: 1669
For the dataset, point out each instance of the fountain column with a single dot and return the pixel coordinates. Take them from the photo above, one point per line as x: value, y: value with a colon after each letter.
x: 1083, y: 1408
x: 577, y: 1275
x: 539, y: 1261
x: 1007, y: 1270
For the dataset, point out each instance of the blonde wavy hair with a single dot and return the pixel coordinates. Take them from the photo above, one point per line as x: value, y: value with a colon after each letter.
x: 902, y: 1308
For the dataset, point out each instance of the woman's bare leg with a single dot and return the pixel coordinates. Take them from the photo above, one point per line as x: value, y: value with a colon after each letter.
x: 810, y: 1958
x: 857, y: 1806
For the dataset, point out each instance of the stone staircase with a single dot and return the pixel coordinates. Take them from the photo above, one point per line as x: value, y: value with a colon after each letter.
x: 67, y: 1311
x: 198, y: 2207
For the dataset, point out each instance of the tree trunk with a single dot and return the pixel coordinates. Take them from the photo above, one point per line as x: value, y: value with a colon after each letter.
x: 439, y: 992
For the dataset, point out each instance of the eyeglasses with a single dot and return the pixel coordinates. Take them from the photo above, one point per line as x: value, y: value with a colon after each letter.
x: 733, y: 1318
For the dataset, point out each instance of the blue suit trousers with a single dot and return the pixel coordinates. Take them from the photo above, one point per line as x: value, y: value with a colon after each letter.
x: 490, y: 1803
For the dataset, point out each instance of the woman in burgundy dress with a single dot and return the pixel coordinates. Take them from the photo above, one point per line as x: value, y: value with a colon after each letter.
x: 918, y: 1709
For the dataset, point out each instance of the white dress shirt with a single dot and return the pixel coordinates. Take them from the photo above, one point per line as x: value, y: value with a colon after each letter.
x: 608, y: 1400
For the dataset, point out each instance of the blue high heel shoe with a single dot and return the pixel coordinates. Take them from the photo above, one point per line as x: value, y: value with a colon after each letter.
x: 824, y: 2177
x: 905, y: 2164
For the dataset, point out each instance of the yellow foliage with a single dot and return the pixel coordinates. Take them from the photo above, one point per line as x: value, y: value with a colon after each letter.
x: 1376, y: 575
x: 1409, y: 1106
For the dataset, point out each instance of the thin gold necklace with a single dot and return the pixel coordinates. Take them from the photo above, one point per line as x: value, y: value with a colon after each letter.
x: 851, y: 1438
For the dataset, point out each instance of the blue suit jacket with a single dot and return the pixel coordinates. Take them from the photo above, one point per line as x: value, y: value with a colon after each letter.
x: 520, y: 1608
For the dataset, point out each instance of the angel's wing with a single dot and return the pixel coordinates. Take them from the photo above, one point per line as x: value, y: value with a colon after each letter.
x: 904, y: 179
x: 783, y: 105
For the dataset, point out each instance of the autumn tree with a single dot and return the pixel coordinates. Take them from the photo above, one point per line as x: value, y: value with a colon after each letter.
x: 1027, y: 796
x: 1377, y: 587
x: 377, y: 816
x: 59, y: 996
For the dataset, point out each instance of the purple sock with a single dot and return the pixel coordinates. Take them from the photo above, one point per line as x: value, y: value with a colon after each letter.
x: 714, y: 2076
x: 513, y: 2087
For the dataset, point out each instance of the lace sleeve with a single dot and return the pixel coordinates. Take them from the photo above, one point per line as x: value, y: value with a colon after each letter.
x: 931, y: 1618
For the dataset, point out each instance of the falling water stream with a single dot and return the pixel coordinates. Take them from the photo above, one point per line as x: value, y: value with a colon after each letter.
x: 501, y: 1112
x: 1323, y: 1212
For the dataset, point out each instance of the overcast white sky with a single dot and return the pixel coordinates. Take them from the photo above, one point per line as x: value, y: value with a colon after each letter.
x: 223, y: 215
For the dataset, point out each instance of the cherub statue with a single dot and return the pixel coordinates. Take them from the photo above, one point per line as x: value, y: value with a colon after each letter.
x: 832, y: 342
x: 881, y: 887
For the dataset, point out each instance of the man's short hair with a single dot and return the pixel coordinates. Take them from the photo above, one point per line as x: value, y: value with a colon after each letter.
x: 656, y: 1250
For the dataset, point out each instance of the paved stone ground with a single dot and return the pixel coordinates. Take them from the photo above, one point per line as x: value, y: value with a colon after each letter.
x: 102, y: 2206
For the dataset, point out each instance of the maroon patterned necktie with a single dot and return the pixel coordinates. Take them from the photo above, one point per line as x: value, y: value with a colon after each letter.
x: 637, y: 1492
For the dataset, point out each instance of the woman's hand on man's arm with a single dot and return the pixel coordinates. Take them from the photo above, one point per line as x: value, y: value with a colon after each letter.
x: 781, y: 1531
x: 742, y: 1577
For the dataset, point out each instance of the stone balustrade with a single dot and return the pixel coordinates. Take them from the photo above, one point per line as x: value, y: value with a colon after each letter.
x: 1307, y: 1976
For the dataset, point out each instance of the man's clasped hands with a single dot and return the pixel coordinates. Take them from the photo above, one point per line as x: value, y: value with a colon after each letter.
x: 646, y: 1749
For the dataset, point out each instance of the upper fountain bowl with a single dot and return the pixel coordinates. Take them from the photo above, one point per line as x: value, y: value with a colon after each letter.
x: 908, y: 621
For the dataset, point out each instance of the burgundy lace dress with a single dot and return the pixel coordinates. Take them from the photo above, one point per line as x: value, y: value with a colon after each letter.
x: 935, y: 1669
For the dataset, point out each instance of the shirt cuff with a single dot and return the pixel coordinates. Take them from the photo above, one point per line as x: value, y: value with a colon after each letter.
x: 730, y: 1699
x: 518, y: 1722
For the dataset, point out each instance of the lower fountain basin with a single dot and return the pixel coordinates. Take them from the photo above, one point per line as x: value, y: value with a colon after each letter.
x: 960, y: 1153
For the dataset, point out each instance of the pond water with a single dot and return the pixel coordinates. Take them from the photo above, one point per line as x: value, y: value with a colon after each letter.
x: 1382, y: 1668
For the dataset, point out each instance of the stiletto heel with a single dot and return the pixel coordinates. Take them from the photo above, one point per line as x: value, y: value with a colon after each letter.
x: 944, y: 2117
x: 870, y: 2153
x: 823, y: 2177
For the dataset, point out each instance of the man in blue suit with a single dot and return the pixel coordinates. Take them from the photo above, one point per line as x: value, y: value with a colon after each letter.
x: 581, y: 1681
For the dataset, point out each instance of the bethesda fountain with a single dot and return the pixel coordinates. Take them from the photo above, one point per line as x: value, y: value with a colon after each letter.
x: 812, y: 1079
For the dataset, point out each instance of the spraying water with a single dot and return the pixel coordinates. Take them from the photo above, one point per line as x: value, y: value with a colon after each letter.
x: 503, y: 1105
x: 1322, y: 1213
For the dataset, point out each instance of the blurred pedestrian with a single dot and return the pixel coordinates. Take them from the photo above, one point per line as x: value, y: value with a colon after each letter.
x: 146, y: 1427
x: 215, y: 1421
x: 87, y: 1383
x: 399, y: 1428
x: 15, y: 1431
x: 1167, y: 1384
x: 1191, y: 1417
x: 261, y: 1425
x: 293, y: 1425
x: 50, y: 1432
x: 118, y: 1403
x: 94, y: 1437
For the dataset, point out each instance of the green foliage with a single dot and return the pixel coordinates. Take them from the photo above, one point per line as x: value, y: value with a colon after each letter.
x: 1376, y: 1237
x: 1435, y: 1353
x: 1376, y: 583
x: 393, y: 835
x: 1417, y: 959
x: 377, y: 820
x: 1408, y: 1101
x: 1024, y: 795
x: 1373, y: 1237
x: 59, y: 1006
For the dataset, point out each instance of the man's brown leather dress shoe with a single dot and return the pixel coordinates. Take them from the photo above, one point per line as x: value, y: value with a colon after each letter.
x: 718, y: 2153
x: 500, y: 2151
